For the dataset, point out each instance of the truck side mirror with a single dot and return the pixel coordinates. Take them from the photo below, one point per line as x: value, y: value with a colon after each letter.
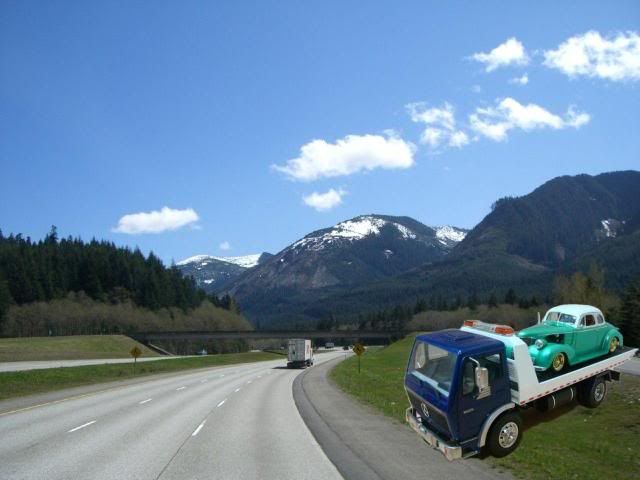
x: 482, y: 382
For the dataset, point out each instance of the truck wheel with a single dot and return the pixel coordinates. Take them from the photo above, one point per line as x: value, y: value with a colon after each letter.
x: 505, y: 435
x: 592, y: 392
x: 558, y: 362
x: 614, y: 344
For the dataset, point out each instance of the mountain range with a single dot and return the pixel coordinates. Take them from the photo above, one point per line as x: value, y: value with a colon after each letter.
x: 375, y: 261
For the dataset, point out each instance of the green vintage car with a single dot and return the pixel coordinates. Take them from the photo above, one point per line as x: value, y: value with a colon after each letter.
x: 569, y: 335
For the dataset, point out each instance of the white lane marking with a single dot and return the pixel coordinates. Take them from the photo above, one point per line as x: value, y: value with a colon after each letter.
x: 181, y: 388
x: 248, y: 382
x: 222, y: 402
x: 145, y: 401
x: 198, y: 429
x: 236, y: 390
x: 222, y: 375
x: 82, y: 426
x: 259, y: 376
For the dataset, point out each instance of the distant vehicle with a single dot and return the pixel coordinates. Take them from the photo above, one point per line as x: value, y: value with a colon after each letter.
x: 203, y: 352
x: 300, y: 354
x: 329, y: 345
x: 345, y: 347
x: 569, y: 335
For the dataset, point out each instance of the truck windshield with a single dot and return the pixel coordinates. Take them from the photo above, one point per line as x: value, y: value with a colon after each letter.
x: 560, y: 317
x: 433, y: 365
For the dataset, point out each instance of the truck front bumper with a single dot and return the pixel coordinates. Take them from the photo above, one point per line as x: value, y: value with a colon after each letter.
x: 451, y: 452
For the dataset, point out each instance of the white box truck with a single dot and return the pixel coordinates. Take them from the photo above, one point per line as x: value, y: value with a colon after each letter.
x: 300, y: 354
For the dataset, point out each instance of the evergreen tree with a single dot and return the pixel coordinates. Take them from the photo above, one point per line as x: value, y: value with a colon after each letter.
x: 5, y: 299
x: 493, y: 301
x: 630, y: 315
x: 472, y: 302
x: 523, y: 303
x: 420, y: 306
x: 510, y: 297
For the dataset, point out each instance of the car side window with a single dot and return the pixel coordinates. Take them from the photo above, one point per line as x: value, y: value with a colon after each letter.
x: 588, y: 320
x: 493, y: 364
x: 599, y: 319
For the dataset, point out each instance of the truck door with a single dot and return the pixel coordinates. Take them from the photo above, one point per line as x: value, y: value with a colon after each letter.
x: 475, y: 406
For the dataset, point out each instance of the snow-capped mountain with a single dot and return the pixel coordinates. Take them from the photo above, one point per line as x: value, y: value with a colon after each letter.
x: 246, y: 261
x: 354, y: 252
x: 214, y: 273
x: 450, y: 236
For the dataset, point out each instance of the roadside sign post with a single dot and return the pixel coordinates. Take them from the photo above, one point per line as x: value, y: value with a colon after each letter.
x: 358, y: 349
x: 135, y: 352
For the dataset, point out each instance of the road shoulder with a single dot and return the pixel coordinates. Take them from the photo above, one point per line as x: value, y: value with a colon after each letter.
x: 363, y: 444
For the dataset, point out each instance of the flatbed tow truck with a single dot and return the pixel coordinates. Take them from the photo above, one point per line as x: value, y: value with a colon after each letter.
x: 467, y: 386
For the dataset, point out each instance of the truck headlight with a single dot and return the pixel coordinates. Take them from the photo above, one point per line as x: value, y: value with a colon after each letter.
x: 540, y: 343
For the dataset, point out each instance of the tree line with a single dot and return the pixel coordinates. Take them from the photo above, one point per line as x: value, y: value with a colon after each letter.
x: 52, y: 269
x: 580, y: 287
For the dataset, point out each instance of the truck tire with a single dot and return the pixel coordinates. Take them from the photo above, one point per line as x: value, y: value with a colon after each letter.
x: 592, y: 392
x: 505, y: 435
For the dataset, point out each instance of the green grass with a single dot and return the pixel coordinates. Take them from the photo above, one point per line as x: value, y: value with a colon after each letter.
x: 16, y: 384
x: 69, y: 348
x: 571, y: 442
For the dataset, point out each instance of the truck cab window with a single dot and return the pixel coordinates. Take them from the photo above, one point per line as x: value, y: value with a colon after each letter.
x: 493, y: 364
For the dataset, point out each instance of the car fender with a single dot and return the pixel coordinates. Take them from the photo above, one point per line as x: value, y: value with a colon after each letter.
x: 550, y: 350
x: 486, y: 426
x: 613, y: 332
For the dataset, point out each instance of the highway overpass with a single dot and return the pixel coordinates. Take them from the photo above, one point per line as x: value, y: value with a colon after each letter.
x: 362, y: 335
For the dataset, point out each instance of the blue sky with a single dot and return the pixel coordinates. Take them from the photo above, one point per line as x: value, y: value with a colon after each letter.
x: 110, y: 109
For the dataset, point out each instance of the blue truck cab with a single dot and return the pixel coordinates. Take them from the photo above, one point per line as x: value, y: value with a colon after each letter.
x: 456, y: 381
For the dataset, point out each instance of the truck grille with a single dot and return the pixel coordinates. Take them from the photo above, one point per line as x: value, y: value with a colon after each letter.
x: 435, y: 420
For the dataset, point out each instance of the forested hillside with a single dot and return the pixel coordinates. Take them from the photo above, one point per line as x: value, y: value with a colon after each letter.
x: 69, y: 287
x: 51, y: 268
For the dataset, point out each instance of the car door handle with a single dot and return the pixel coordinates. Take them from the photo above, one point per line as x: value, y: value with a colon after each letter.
x: 468, y: 410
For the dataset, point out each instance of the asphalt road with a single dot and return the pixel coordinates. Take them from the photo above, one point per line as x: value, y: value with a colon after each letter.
x: 631, y: 367
x: 230, y: 423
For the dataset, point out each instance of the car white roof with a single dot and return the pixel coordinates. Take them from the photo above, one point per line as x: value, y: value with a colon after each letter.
x: 576, y: 310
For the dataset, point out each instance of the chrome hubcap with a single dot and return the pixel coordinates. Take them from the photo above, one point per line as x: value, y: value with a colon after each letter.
x: 613, y: 345
x: 558, y: 362
x: 508, y: 435
x: 598, y: 395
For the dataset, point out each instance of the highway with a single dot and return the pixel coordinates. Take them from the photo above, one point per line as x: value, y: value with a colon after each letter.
x: 230, y: 423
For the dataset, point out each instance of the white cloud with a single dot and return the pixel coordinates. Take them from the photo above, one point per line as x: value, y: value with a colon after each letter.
x: 351, y: 154
x: 323, y: 202
x: 458, y: 139
x: 225, y: 245
x: 511, y: 52
x: 523, y: 80
x: 440, y: 125
x: 615, y: 58
x: 508, y: 114
x: 156, y: 221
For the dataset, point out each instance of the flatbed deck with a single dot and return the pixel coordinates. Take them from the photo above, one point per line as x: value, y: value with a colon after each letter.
x: 527, y: 385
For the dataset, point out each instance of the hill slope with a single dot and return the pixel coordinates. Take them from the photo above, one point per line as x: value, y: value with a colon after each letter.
x: 350, y: 254
x: 213, y: 274
x: 564, y: 225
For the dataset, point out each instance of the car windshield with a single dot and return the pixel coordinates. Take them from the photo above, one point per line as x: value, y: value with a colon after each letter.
x: 560, y: 317
x: 433, y: 365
